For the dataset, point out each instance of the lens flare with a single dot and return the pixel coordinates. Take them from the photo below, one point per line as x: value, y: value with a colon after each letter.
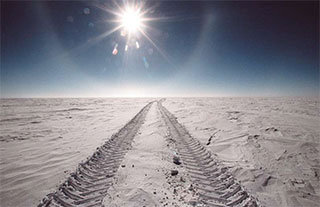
x: 115, y: 50
x: 132, y: 20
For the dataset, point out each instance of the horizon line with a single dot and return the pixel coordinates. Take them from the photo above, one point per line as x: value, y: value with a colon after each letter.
x: 106, y: 97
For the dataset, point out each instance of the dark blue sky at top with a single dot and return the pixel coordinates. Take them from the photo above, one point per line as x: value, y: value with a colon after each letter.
x: 51, y: 49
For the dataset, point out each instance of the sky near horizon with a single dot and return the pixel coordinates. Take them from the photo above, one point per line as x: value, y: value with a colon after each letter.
x: 192, y: 48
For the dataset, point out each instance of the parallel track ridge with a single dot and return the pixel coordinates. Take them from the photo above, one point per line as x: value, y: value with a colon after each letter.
x: 216, y: 186
x: 88, y: 185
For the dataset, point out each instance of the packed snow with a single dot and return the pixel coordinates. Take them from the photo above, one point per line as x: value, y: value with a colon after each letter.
x: 43, y: 140
x: 271, y: 145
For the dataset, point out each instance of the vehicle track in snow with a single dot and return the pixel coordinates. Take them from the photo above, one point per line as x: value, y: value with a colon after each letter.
x: 89, y: 184
x: 216, y: 186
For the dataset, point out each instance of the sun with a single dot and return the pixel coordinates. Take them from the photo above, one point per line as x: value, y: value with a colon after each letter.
x: 131, y: 20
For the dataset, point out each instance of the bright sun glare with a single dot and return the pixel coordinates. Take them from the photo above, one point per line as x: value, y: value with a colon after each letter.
x: 131, y: 20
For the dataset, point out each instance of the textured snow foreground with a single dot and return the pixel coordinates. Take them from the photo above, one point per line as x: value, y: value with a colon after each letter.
x: 271, y: 145
x: 233, y: 152
x: 44, y: 140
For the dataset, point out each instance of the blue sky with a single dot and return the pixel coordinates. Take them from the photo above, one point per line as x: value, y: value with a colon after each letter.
x: 51, y: 49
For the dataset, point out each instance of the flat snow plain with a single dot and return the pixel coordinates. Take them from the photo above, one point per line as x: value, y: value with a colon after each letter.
x: 43, y: 140
x: 270, y: 144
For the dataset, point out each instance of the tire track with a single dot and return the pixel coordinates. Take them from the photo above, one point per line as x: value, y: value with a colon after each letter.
x: 216, y: 186
x: 92, y: 179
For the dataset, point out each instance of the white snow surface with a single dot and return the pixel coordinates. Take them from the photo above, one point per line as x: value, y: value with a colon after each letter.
x: 270, y: 144
x: 144, y: 176
x: 43, y: 140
